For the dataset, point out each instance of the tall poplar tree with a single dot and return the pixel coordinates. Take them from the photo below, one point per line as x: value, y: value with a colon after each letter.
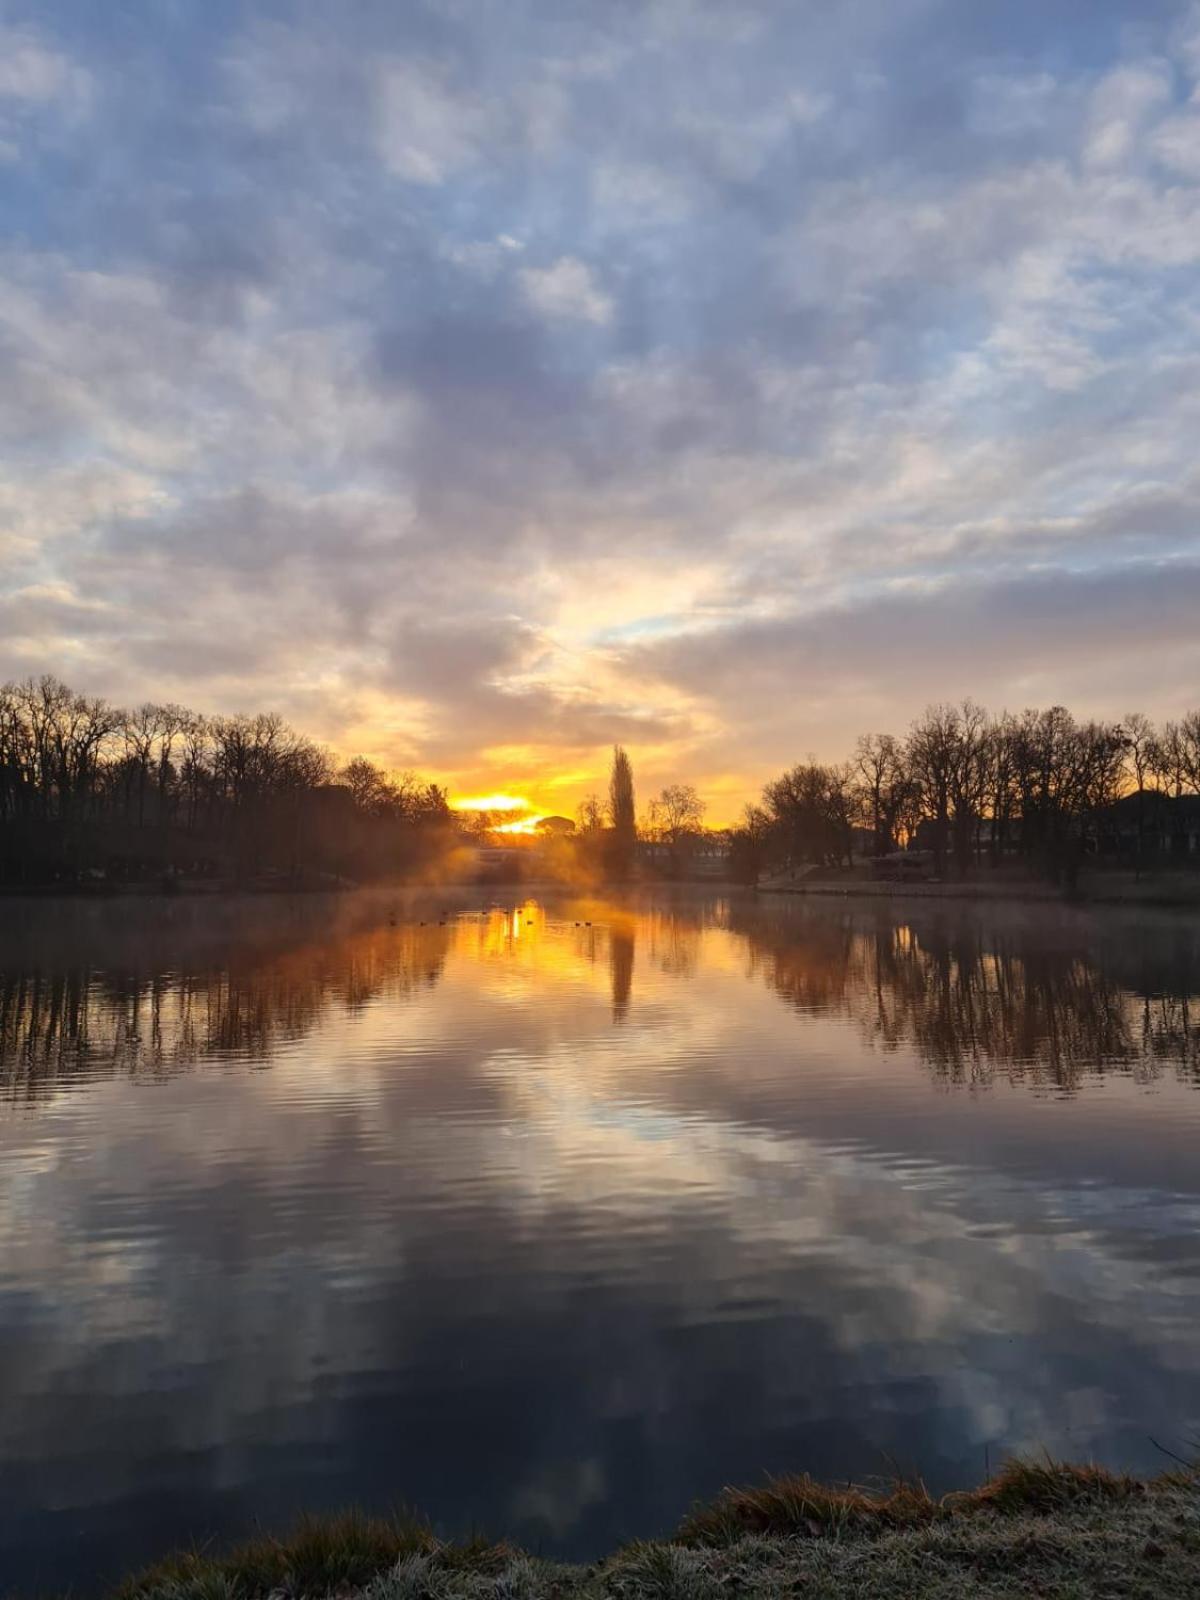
x: 622, y: 814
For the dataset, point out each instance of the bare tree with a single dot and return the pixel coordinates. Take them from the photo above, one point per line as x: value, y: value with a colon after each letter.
x: 195, y: 768
x: 969, y: 780
x: 1168, y: 759
x: 680, y: 811
x: 932, y: 755
x: 807, y: 815
x: 148, y: 734
x: 880, y: 769
x: 1189, y: 750
x: 589, y: 815
x: 1139, y: 736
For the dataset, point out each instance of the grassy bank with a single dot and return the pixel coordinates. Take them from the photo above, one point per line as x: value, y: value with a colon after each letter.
x: 1039, y: 1528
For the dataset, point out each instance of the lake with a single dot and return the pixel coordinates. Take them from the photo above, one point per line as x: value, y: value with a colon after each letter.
x: 550, y: 1214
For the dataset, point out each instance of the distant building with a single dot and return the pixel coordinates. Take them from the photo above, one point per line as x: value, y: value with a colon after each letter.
x: 904, y: 866
x: 498, y: 863
x: 697, y: 855
x: 555, y: 827
x: 1152, y: 824
x: 862, y: 842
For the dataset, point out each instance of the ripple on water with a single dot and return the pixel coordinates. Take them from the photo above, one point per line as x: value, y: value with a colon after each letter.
x: 436, y: 1202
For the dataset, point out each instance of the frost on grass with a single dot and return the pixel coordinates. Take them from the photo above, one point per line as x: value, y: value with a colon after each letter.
x: 1061, y: 1532
x: 428, y: 1577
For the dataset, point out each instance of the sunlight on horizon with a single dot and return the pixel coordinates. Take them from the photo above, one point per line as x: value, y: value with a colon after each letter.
x: 491, y: 802
x: 527, y: 823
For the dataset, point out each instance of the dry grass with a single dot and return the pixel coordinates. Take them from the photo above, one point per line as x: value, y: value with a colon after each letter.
x: 1047, y: 1486
x: 800, y: 1507
x: 1039, y: 1527
x: 321, y: 1556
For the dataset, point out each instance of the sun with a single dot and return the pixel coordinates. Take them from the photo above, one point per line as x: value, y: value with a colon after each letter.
x: 526, y: 822
x: 491, y: 802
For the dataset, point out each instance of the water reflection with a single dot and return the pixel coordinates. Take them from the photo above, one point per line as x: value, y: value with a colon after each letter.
x: 979, y: 992
x: 974, y: 993
x: 150, y: 1009
x: 622, y: 939
x: 551, y: 1216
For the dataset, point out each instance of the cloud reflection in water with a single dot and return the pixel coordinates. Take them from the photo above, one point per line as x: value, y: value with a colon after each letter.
x: 552, y: 1227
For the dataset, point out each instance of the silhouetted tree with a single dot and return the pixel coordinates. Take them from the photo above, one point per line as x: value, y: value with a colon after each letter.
x: 1038, y: 785
x: 1138, y: 732
x: 589, y: 816
x: 885, y: 786
x: 933, y: 754
x: 622, y: 814
x: 806, y: 816
x: 675, y: 818
x: 1168, y: 759
x: 86, y: 787
x: 1189, y: 745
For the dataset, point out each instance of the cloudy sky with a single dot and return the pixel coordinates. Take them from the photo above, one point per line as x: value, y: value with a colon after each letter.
x: 480, y: 383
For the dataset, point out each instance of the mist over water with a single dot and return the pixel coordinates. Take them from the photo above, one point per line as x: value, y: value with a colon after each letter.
x: 549, y: 1215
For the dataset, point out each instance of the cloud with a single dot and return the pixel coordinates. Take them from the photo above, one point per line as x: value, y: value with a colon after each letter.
x: 1121, y: 104
x: 566, y: 289
x: 469, y: 393
x: 425, y: 131
x: 44, y: 96
x: 1177, y: 141
x: 34, y: 74
x: 1095, y: 641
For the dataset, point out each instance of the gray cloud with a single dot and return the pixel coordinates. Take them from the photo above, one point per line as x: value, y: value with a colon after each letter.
x: 389, y: 343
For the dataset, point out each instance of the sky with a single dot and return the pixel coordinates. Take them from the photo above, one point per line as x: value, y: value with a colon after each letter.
x: 479, y: 384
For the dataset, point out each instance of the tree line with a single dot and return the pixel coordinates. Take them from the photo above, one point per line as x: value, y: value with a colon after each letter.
x: 1039, y: 787
x: 90, y: 787
x: 87, y: 787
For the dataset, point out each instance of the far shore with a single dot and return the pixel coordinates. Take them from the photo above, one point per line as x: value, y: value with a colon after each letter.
x: 1110, y: 887
x: 1107, y: 887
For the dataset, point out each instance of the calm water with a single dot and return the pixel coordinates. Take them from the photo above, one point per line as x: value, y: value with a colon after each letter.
x: 561, y: 1214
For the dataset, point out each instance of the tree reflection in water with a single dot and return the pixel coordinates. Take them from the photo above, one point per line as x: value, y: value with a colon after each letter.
x: 161, y: 1004
x: 1047, y: 998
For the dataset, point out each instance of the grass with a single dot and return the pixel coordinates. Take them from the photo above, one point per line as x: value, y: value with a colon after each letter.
x: 799, y: 1507
x: 323, y: 1555
x: 1042, y: 1528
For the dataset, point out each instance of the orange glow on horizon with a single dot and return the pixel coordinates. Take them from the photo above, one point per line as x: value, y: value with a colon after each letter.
x: 556, y: 794
x: 491, y: 802
x: 525, y: 825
